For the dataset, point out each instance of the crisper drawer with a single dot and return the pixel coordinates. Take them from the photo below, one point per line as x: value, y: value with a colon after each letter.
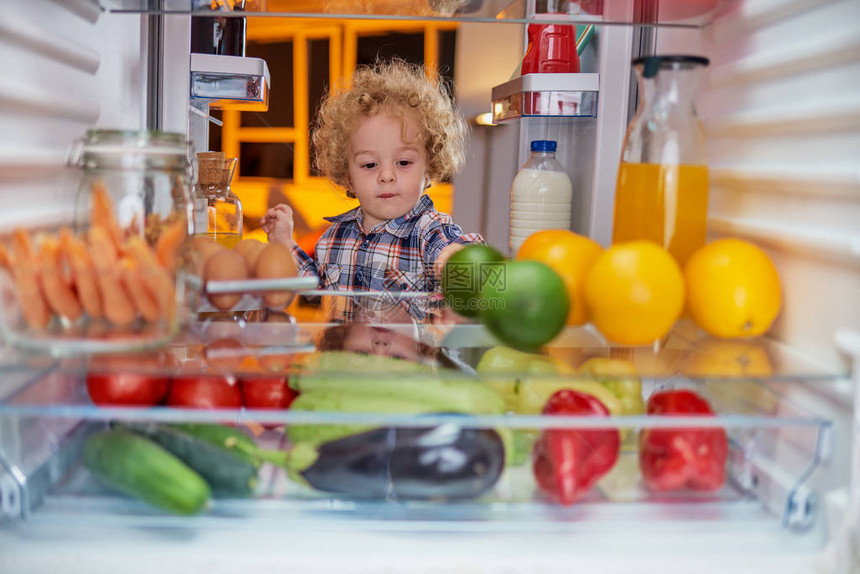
x: 296, y: 423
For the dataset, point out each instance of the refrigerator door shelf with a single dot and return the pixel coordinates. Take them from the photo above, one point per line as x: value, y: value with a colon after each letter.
x: 230, y: 81
x: 547, y: 95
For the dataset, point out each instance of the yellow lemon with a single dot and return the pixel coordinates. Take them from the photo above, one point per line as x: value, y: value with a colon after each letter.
x: 733, y: 289
x: 634, y: 292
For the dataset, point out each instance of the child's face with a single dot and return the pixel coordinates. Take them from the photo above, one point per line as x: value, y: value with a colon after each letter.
x: 363, y: 338
x: 386, y: 173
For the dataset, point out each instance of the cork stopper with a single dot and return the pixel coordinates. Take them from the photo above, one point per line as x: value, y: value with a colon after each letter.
x: 214, y: 169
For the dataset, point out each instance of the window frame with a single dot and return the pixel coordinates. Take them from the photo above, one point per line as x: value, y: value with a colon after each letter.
x: 343, y: 36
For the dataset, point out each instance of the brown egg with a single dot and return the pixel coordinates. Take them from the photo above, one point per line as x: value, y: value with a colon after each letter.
x: 224, y: 265
x: 225, y: 354
x: 250, y: 249
x: 276, y: 262
x: 201, y: 249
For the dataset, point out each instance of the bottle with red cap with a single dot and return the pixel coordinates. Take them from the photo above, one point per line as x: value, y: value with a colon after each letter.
x: 551, y: 47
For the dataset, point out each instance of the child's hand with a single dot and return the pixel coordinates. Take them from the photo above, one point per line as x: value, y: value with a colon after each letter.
x: 278, y: 224
x: 444, y: 255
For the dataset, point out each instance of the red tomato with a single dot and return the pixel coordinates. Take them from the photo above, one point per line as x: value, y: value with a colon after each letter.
x: 126, y: 388
x: 133, y: 379
x: 202, y: 392
x: 267, y: 392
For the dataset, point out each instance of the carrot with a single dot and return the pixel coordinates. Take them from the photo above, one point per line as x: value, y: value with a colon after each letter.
x: 103, y: 214
x: 28, y: 288
x: 117, y: 306
x: 81, y: 265
x: 155, y: 278
x: 142, y: 300
x: 5, y: 258
x: 167, y: 246
x: 58, y: 291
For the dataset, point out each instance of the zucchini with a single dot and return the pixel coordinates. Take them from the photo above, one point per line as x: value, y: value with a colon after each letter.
x: 140, y: 468
x: 225, y: 457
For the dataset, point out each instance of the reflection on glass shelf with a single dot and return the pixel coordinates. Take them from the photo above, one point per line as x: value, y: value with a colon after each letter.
x: 680, y: 13
x: 12, y: 360
x: 449, y: 346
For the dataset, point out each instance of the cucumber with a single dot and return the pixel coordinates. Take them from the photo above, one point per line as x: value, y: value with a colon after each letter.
x: 138, y: 467
x: 228, y: 438
x: 225, y: 457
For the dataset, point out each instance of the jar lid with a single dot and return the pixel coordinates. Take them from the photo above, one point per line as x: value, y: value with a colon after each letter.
x: 99, y: 142
x: 543, y: 145
x: 651, y: 64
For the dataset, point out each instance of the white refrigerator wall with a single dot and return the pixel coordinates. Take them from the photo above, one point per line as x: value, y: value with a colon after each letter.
x: 782, y: 113
x: 66, y: 68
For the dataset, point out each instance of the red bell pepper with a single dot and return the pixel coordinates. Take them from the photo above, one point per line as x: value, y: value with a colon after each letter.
x: 678, y: 458
x: 567, y: 462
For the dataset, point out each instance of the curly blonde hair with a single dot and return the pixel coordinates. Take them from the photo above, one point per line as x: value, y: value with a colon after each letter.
x: 398, y: 89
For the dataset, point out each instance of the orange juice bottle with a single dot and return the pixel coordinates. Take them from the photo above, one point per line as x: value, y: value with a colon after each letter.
x: 667, y: 204
x: 662, y: 189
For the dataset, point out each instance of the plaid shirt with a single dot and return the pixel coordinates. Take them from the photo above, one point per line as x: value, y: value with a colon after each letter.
x: 394, y: 256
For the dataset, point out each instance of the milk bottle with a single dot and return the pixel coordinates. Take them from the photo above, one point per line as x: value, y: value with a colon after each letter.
x: 541, y: 195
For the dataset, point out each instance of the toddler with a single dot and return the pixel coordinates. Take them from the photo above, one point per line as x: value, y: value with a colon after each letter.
x: 384, y: 140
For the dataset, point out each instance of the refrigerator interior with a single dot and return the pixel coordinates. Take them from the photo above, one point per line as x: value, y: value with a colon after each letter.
x: 780, y: 108
x: 772, y: 509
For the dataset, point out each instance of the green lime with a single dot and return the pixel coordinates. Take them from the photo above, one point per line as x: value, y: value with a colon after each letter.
x: 526, y: 305
x: 465, y: 273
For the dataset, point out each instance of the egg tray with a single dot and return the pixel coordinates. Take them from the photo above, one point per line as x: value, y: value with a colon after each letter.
x: 251, y: 289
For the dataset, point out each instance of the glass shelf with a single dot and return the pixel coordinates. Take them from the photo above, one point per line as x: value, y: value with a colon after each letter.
x: 775, y: 444
x: 418, y: 327
x: 239, y: 346
x: 669, y: 13
x: 48, y: 438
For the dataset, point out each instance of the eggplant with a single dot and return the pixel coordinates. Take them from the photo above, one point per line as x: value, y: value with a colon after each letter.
x: 445, y: 462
